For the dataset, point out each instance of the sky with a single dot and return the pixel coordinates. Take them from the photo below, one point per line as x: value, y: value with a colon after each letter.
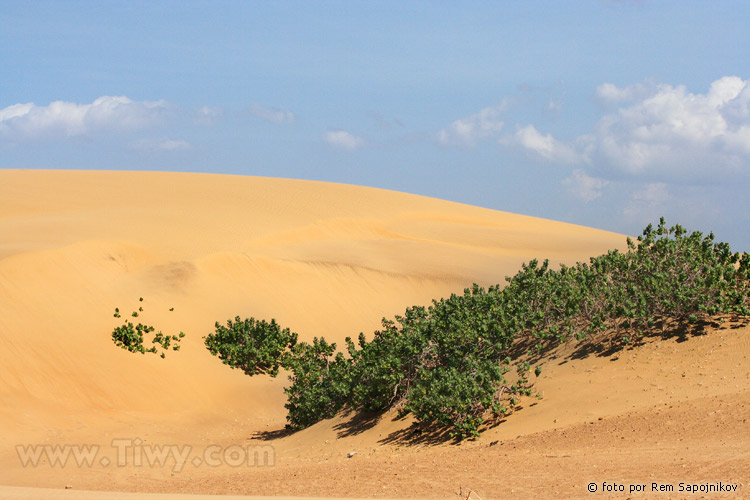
x: 602, y: 113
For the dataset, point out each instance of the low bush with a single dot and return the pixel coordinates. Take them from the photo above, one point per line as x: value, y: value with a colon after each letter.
x: 320, y: 382
x: 253, y: 346
x: 448, y: 364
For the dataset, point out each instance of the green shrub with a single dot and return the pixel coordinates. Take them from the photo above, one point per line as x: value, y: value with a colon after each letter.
x: 253, y: 346
x: 444, y: 364
x: 384, y: 369
x: 447, y: 364
x: 320, y: 383
x: 131, y: 337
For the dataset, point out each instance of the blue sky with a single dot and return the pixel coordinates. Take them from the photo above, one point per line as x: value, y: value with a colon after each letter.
x: 603, y: 113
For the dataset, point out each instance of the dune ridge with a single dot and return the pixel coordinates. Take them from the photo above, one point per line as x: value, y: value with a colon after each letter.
x: 324, y: 259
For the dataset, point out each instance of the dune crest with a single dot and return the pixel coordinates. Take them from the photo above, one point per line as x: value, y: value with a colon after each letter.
x: 321, y: 258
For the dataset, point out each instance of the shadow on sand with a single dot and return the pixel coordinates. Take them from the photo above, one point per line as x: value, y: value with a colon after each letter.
x: 606, y: 345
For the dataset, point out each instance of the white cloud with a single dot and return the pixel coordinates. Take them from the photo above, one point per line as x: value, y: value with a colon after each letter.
x: 68, y: 119
x: 545, y: 146
x: 673, y: 134
x: 610, y: 93
x: 660, y: 133
x: 273, y: 115
x: 343, y: 139
x: 583, y: 186
x: 15, y: 111
x: 467, y: 131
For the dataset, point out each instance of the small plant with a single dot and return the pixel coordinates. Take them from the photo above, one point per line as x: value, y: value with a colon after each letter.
x: 165, y: 341
x: 131, y: 337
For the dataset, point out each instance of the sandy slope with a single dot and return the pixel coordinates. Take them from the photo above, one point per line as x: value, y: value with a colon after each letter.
x: 323, y: 259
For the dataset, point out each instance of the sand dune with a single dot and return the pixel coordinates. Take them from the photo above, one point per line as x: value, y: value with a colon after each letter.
x: 323, y: 259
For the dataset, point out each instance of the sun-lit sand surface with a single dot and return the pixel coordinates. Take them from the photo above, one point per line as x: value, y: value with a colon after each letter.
x: 323, y: 259
x: 21, y: 493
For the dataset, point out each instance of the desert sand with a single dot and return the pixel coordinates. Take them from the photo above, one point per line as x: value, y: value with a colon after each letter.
x: 327, y: 260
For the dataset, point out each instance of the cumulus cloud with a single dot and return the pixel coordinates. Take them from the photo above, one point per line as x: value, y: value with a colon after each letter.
x: 609, y: 93
x: 273, y: 115
x: 15, y: 111
x: 61, y: 119
x: 674, y: 133
x: 660, y: 133
x: 583, y: 186
x: 546, y: 146
x: 343, y: 140
x: 467, y: 131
